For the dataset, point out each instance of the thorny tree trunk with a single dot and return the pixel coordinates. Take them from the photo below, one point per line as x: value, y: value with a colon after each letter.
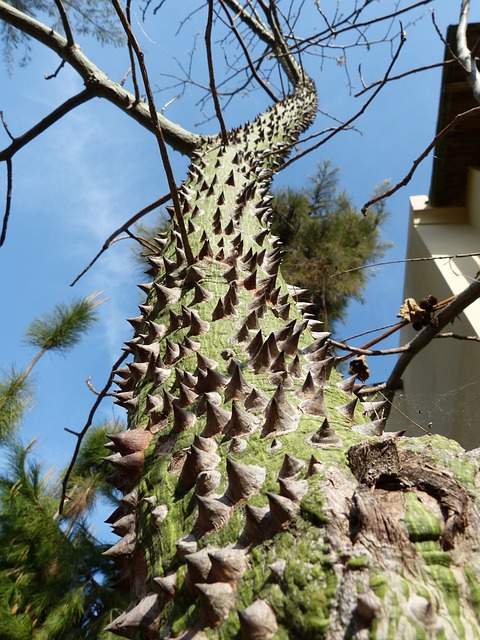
x: 258, y: 501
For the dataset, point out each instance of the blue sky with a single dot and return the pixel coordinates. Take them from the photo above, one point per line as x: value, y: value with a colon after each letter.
x: 90, y: 172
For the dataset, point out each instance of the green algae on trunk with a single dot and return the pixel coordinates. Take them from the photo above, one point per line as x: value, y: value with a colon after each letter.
x: 265, y: 503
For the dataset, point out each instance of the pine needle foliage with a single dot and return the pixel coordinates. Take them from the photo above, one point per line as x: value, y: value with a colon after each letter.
x: 63, y: 328
x: 54, y: 581
x: 324, y: 234
x: 15, y: 399
x: 95, y: 18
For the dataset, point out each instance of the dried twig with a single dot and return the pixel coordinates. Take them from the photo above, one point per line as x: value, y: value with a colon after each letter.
x: 458, y: 118
x: 133, y: 67
x: 405, y: 74
x: 111, y: 238
x: 157, y: 130
x: 211, y: 73
x: 65, y: 23
x: 80, y: 435
x: 357, y: 115
x: 451, y: 256
x: 426, y: 335
x: 8, y: 201
x: 456, y: 336
x: 244, y: 48
x: 45, y: 123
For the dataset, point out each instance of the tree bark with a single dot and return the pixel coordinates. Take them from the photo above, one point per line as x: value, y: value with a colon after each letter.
x: 266, y: 502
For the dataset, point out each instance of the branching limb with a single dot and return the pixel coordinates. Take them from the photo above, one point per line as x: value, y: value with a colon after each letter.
x: 465, y: 56
x: 80, y: 435
x: 157, y: 130
x: 399, y: 76
x: 458, y: 118
x: 96, y: 80
x: 368, y: 352
x: 111, y: 238
x: 356, y: 116
x: 45, y: 123
x: 244, y: 48
x: 451, y: 256
x: 426, y: 335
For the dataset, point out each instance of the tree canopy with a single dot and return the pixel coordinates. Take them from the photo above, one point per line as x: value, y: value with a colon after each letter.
x: 324, y: 236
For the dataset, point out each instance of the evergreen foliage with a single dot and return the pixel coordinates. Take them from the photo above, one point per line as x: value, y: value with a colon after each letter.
x: 59, y: 330
x: 15, y: 399
x: 64, y: 327
x: 94, y: 18
x: 54, y: 581
x: 53, y: 578
x: 324, y: 234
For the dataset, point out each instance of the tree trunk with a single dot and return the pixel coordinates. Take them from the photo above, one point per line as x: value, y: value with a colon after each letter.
x: 260, y: 499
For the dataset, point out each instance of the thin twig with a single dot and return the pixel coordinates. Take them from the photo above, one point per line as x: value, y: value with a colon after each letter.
x: 368, y: 352
x: 250, y: 63
x: 45, y: 123
x: 133, y: 67
x: 379, y: 338
x: 5, y: 126
x: 427, y: 67
x: 87, y: 426
x: 157, y: 131
x: 364, y: 333
x: 111, y: 238
x: 89, y: 384
x: 51, y: 76
x: 211, y: 73
x: 8, y: 201
x: 359, y: 113
x: 65, y: 23
x: 458, y: 118
x: 456, y: 336
x: 404, y: 260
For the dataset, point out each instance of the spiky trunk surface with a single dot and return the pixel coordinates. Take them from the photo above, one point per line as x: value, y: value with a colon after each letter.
x: 259, y: 500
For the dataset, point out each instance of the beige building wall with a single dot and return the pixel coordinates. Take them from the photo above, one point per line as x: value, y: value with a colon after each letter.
x: 442, y: 384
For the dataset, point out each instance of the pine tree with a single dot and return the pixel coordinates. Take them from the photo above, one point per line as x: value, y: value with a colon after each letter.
x: 55, y: 581
x: 324, y: 236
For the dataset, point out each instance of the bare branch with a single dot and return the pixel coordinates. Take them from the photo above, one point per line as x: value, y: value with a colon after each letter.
x: 427, y: 67
x: 96, y: 80
x: 426, y: 335
x: 133, y: 66
x: 65, y: 23
x: 157, y: 130
x: 8, y: 201
x: 368, y: 352
x: 244, y: 48
x: 458, y: 118
x: 456, y: 336
x: 465, y: 56
x: 111, y: 238
x: 45, y: 123
x: 211, y: 72
x: 357, y: 115
x: 101, y: 395
x: 451, y: 256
